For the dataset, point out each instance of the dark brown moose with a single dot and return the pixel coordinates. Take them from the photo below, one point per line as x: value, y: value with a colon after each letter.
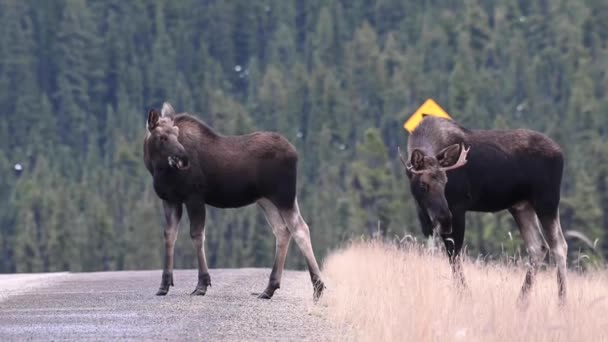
x: 193, y: 165
x: 453, y: 170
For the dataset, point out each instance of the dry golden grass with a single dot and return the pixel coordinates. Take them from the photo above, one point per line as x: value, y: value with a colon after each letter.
x: 378, y: 292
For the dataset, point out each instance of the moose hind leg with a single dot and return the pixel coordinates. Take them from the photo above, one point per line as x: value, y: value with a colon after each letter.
x: 301, y: 234
x: 282, y: 241
x: 196, y: 213
x: 559, y: 248
x: 173, y: 214
x: 529, y: 227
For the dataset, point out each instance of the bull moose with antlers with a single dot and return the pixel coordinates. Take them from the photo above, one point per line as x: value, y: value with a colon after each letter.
x: 453, y: 170
x: 193, y: 166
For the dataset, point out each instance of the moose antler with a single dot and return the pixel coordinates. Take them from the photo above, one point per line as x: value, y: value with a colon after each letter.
x: 408, y: 166
x: 462, y: 159
x: 402, y: 159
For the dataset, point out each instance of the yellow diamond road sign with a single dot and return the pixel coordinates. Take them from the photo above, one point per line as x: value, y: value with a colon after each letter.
x: 429, y: 107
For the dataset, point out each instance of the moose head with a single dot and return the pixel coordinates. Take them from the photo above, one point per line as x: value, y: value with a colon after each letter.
x: 428, y: 178
x: 163, y: 139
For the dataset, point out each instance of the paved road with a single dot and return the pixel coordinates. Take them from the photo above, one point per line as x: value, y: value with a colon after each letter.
x: 109, y: 306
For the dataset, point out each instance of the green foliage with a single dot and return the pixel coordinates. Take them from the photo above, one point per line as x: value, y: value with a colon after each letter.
x: 337, y: 78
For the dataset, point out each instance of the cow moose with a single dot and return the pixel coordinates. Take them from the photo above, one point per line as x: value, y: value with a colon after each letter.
x: 453, y: 170
x: 193, y: 166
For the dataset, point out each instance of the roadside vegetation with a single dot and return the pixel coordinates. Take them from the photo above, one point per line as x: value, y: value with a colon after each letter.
x: 386, y: 292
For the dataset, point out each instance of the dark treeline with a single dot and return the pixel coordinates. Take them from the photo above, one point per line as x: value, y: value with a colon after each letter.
x: 336, y: 77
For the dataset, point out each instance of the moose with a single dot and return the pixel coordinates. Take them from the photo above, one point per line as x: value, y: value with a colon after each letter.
x: 193, y: 166
x: 452, y: 170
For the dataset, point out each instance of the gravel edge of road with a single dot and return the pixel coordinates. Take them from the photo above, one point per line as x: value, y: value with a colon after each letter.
x: 20, y: 283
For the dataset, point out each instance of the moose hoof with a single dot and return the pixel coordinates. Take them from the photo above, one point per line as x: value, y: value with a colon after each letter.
x: 264, y: 295
x: 198, y: 292
x: 319, y: 287
x: 162, y: 292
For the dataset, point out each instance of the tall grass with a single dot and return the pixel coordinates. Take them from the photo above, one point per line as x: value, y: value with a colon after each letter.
x: 379, y: 292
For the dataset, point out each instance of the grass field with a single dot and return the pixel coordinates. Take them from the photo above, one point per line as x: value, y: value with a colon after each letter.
x: 378, y: 292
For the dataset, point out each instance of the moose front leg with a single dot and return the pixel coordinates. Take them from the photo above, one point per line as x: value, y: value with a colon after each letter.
x: 453, y: 245
x: 173, y: 214
x: 196, y: 214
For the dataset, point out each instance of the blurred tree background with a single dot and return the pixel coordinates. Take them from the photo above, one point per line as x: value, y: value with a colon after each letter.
x: 336, y: 77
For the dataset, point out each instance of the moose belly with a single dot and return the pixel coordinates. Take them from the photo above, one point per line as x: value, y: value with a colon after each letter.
x: 231, y: 196
x: 497, y: 198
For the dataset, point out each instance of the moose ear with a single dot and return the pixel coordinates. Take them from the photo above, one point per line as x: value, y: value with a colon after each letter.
x: 153, y: 117
x: 449, y: 155
x: 167, y: 110
x: 417, y: 159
